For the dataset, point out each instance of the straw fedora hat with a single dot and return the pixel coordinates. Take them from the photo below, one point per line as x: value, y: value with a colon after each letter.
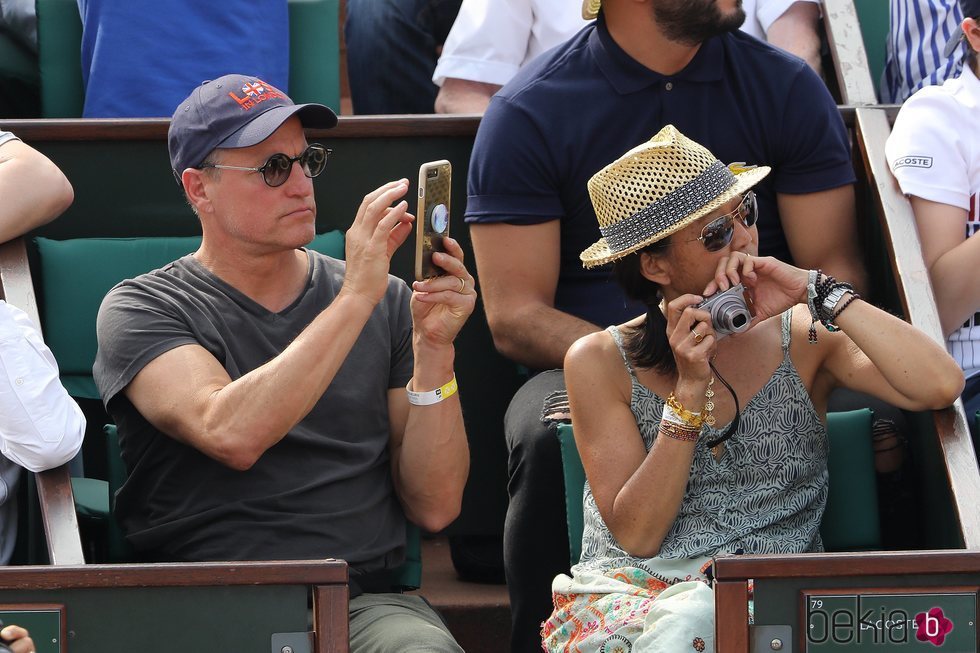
x: 657, y: 189
x: 590, y: 9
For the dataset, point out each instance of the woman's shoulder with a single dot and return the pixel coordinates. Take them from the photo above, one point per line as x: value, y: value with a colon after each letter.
x: 591, y: 349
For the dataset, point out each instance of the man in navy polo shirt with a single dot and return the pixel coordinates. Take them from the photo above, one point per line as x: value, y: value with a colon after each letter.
x: 640, y: 66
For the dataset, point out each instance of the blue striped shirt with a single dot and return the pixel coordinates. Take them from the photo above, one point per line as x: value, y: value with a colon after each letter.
x: 918, y: 32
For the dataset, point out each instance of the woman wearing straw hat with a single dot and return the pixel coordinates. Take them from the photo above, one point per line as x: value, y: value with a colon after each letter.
x: 702, y: 431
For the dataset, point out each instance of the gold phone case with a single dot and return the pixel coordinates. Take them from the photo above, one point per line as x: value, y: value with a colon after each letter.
x: 435, y: 181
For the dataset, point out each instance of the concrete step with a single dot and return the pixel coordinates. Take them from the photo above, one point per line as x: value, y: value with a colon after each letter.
x: 478, y: 614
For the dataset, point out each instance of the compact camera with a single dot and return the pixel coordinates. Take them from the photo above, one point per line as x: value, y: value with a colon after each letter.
x: 731, y: 311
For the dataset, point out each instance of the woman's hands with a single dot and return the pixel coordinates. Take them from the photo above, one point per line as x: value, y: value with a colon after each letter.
x: 693, y: 341
x: 775, y: 286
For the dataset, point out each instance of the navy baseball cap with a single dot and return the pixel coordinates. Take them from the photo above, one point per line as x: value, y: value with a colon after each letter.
x: 971, y: 9
x: 233, y: 111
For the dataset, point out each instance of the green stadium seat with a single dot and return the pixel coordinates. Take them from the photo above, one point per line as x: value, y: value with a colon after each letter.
x: 59, y: 49
x: 850, y: 521
x: 314, y: 52
x: 873, y: 16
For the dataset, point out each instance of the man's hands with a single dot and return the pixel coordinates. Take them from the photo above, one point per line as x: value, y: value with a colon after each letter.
x: 441, y: 305
x: 378, y: 230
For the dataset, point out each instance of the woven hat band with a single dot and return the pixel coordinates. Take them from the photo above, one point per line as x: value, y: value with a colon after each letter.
x: 663, y: 214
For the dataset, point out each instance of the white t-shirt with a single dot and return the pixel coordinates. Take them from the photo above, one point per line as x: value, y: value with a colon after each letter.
x: 761, y: 14
x: 934, y: 152
x: 492, y: 39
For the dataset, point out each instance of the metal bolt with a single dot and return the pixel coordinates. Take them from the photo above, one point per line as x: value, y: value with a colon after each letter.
x: 776, y: 644
x: 287, y: 649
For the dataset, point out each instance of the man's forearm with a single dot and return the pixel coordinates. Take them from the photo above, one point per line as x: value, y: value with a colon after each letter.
x: 797, y: 32
x: 539, y: 338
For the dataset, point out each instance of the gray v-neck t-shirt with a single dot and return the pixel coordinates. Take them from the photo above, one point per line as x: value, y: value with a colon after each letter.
x: 325, y: 490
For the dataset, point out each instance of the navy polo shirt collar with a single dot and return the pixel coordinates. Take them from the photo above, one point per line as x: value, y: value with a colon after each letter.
x: 627, y: 75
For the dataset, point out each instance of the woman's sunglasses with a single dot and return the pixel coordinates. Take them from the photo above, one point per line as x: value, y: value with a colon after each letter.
x: 718, y: 233
x: 276, y: 170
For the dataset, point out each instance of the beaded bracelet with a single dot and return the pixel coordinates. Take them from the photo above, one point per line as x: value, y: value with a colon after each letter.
x: 688, y: 417
x: 678, y: 432
x: 823, y: 295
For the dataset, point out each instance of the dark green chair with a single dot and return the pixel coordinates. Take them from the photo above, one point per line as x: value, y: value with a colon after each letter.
x: 873, y: 16
x: 850, y: 520
x: 314, y: 55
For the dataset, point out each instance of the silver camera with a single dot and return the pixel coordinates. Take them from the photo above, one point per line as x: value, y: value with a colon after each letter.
x: 731, y: 311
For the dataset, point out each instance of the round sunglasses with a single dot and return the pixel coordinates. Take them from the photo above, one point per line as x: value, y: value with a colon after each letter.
x: 277, y: 168
x: 718, y: 233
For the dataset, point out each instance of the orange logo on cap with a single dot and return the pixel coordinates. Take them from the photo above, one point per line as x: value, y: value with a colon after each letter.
x: 256, y: 92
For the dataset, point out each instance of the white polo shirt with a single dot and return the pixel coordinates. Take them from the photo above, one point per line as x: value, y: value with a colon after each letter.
x: 761, y: 14
x: 491, y: 39
x: 934, y: 152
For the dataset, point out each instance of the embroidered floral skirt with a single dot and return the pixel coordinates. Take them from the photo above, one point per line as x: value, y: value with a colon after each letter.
x: 662, y: 605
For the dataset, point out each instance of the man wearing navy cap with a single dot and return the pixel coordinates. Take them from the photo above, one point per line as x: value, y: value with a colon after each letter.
x: 275, y: 403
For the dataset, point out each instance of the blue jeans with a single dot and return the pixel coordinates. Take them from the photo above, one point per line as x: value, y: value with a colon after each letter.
x: 392, y: 50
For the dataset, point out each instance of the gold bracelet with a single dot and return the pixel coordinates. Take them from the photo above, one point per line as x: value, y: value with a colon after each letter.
x: 692, y: 419
x: 678, y: 432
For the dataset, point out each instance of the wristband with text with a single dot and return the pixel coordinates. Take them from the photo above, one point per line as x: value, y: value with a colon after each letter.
x: 432, y: 396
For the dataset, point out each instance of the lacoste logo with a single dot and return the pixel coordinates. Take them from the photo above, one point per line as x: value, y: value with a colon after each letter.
x: 914, y: 162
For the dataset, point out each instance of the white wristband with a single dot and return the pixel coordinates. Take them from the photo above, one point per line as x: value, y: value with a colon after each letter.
x: 432, y: 396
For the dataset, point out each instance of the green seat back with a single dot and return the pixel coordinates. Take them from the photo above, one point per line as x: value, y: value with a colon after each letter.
x: 850, y: 521
x: 59, y: 50
x: 873, y: 16
x: 76, y: 274
x: 314, y: 52
x: 118, y: 548
x: 574, y: 475
x: 314, y: 55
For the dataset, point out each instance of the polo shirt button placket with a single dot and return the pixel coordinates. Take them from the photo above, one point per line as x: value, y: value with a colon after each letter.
x: 669, y: 86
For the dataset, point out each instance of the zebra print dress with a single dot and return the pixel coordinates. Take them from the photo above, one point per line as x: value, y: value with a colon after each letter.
x: 766, y: 495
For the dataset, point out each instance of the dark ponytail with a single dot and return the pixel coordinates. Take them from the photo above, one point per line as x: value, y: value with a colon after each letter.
x: 647, y: 345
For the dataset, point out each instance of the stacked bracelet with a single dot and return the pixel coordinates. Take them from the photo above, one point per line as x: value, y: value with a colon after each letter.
x: 823, y: 294
x: 677, y: 414
x: 432, y: 396
x: 677, y: 431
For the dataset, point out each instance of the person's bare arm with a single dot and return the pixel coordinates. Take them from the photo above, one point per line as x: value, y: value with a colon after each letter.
x: 798, y: 32
x: 952, y: 261
x: 187, y: 394
x: 429, y: 450
x: 821, y: 230
x: 33, y: 189
x: 464, y: 96
x: 518, y: 268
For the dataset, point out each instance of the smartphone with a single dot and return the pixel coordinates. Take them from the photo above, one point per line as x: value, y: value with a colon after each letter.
x: 435, y: 181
